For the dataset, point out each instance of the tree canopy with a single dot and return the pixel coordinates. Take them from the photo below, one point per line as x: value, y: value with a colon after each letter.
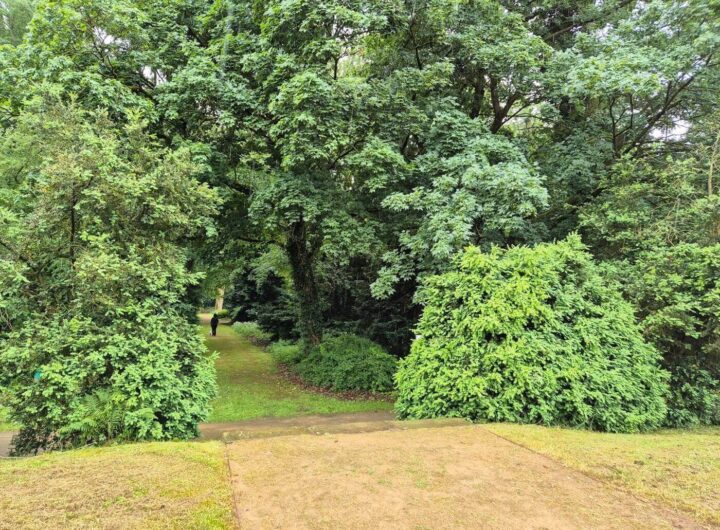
x: 320, y: 159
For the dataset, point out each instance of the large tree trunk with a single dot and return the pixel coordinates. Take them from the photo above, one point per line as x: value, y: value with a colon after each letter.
x: 219, y: 299
x: 301, y: 253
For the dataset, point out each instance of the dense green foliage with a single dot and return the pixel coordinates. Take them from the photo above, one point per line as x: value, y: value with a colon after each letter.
x: 93, y: 278
x: 251, y: 331
x: 347, y: 150
x: 286, y: 352
x: 677, y: 290
x: 658, y: 232
x: 348, y: 362
x: 150, y: 372
x: 531, y: 336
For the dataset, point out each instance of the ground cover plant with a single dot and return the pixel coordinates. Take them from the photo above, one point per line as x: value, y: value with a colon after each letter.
x: 286, y: 352
x: 251, y: 331
x: 348, y: 362
x: 531, y: 335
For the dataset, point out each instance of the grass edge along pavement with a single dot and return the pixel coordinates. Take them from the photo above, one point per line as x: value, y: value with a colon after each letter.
x: 677, y: 468
x: 251, y: 384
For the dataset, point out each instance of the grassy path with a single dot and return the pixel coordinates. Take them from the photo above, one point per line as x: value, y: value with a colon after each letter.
x: 251, y: 386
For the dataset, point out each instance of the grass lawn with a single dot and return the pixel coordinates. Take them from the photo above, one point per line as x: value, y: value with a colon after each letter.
x: 144, y: 486
x: 251, y: 387
x: 680, y: 469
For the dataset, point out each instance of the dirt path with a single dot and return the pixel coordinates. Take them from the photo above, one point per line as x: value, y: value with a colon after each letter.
x: 460, y: 477
x: 358, y: 422
x: 5, y: 439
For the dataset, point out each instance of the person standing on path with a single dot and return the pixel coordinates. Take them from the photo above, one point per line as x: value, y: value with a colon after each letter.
x: 214, y: 321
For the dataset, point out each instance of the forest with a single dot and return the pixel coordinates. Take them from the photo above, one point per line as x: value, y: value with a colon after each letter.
x: 500, y: 210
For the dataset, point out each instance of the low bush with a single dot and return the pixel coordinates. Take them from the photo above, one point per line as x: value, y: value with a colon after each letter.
x: 348, y: 362
x: 252, y: 332
x: 286, y: 352
x: 223, y: 313
x: 531, y: 335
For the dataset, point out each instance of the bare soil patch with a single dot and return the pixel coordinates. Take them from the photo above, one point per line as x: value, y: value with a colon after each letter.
x: 460, y: 477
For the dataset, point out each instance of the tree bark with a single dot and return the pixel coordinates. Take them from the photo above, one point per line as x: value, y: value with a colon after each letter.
x: 714, y: 154
x: 301, y: 253
x: 219, y: 299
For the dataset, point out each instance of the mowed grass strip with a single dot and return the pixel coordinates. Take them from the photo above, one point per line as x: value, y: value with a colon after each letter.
x: 252, y: 387
x: 144, y: 486
x: 677, y: 468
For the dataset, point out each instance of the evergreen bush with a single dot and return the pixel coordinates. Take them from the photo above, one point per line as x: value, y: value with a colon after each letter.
x: 531, y: 335
x: 73, y: 382
x: 677, y: 292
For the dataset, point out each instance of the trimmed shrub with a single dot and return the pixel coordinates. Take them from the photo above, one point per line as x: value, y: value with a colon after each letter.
x: 348, y: 362
x: 286, y: 352
x: 223, y: 313
x: 531, y: 335
x: 252, y: 332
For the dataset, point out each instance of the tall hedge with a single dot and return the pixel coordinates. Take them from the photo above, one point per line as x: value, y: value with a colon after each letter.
x: 531, y: 335
x: 95, y: 343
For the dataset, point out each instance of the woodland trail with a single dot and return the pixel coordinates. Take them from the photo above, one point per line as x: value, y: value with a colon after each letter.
x: 251, y: 385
